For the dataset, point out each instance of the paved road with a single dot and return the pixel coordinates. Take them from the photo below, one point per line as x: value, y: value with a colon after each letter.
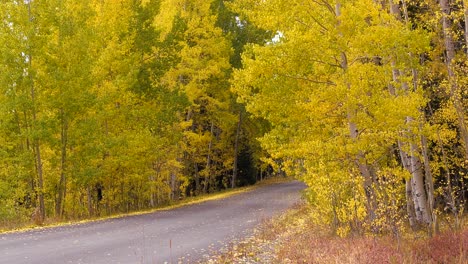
x: 161, y: 237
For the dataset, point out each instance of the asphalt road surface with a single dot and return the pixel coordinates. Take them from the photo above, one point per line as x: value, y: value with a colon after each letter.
x: 187, y: 233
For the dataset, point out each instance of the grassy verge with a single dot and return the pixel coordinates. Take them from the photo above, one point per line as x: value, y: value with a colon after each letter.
x: 292, y: 238
x: 50, y: 222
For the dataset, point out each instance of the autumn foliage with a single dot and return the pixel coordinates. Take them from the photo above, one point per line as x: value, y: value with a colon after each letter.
x: 367, y: 107
x: 121, y: 105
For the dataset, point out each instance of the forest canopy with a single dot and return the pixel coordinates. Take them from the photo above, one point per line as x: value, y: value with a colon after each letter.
x: 111, y: 106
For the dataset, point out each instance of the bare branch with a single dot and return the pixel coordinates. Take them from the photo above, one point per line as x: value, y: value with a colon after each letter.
x: 303, y: 78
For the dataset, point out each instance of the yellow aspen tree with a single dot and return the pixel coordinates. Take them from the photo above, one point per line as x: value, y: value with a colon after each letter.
x: 201, y: 75
x: 23, y: 56
x: 418, y: 206
x: 18, y: 179
x: 322, y: 83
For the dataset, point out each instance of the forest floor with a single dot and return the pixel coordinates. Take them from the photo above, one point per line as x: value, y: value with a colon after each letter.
x: 54, y: 222
x: 292, y: 238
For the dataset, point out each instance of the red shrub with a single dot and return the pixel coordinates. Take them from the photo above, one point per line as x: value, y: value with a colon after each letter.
x: 448, y: 247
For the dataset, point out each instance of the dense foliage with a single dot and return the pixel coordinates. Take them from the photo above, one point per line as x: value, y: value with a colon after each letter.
x: 117, y: 105
x: 367, y: 103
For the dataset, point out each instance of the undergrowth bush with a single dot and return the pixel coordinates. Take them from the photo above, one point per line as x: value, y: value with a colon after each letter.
x: 294, y: 237
x: 313, y: 244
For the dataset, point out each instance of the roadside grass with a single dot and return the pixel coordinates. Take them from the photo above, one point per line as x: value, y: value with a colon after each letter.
x: 53, y: 222
x: 292, y: 238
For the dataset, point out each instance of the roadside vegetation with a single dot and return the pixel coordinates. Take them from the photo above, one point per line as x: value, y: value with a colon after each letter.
x: 110, y: 107
x: 53, y: 222
x: 294, y: 237
x: 368, y: 106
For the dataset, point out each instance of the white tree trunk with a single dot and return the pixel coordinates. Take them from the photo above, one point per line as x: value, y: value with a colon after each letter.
x: 415, y: 187
x: 418, y: 187
x: 364, y: 169
x: 450, y: 51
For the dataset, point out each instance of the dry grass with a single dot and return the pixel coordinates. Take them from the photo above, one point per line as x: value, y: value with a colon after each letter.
x: 446, y: 248
x: 292, y: 238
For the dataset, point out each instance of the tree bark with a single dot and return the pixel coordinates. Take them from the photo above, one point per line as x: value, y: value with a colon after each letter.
x: 366, y: 172
x: 418, y: 187
x: 409, y: 204
x: 429, y: 182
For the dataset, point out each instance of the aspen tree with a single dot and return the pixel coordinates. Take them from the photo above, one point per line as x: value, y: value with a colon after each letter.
x: 201, y: 75
x: 323, y: 87
x: 417, y: 203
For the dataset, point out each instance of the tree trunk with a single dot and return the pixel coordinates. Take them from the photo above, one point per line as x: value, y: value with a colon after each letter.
x: 465, y: 7
x: 208, y: 160
x: 409, y: 204
x: 448, y: 38
x: 62, y: 188
x: 418, y: 188
x: 412, y: 162
x: 394, y: 9
x: 40, y: 181
x: 90, y: 201
x: 236, y: 151
x: 454, y: 93
x: 408, y: 188
x: 37, y: 144
x: 415, y: 188
x: 153, y: 181
x: 449, y: 191
x: 173, y: 180
x: 429, y: 183
x: 367, y: 173
x: 197, y: 179
x: 450, y: 51
x: 364, y: 169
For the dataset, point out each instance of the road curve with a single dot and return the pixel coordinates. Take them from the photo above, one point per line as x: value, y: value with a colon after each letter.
x: 162, y: 237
